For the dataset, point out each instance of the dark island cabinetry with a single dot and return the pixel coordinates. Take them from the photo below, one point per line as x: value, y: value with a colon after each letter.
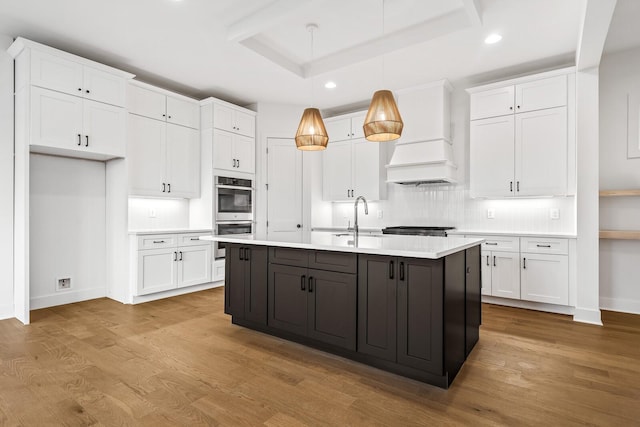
x: 413, y: 316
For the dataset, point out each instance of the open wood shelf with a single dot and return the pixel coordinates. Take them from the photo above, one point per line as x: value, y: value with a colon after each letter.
x: 619, y: 193
x: 620, y: 234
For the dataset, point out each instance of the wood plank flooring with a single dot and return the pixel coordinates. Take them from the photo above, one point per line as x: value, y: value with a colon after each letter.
x: 180, y: 361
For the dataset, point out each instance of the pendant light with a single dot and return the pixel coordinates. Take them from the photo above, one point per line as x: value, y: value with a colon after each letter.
x: 311, y: 134
x: 383, y: 121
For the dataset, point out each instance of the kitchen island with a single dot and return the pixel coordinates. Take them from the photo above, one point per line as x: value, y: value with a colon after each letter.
x: 406, y: 304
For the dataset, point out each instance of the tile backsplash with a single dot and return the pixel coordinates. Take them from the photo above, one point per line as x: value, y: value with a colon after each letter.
x: 448, y: 205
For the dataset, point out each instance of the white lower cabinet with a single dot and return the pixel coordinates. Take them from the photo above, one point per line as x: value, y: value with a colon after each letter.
x: 505, y: 275
x: 174, y: 263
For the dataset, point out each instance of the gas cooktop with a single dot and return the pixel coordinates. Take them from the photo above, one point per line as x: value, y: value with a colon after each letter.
x: 417, y: 230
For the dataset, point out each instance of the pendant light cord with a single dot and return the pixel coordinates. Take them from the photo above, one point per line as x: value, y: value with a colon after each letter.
x: 383, y: 54
x: 311, y: 29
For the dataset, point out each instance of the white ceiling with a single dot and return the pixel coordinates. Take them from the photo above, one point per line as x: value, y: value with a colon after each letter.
x: 258, y: 50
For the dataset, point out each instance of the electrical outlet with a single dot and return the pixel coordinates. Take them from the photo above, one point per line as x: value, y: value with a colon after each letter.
x: 63, y: 284
x: 554, y: 213
x: 380, y: 214
x: 152, y: 213
x: 491, y: 213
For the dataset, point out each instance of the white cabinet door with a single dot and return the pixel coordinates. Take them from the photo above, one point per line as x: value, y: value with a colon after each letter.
x: 505, y: 275
x: 52, y: 72
x: 194, y: 265
x: 338, y: 130
x: 157, y: 270
x: 103, y: 87
x: 223, y: 150
x: 336, y: 172
x: 146, y: 102
x: 541, y: 152
x: 146, y: 156
x: 223, y: 118
x: 104, y: 129
x: 245, y: 124
x: 244, y: 153
x: 545, y: 278
x: 485, y: 272
x: 356, y: 126
x: 56, y: 119
x: 182, y: 162
x: 182, y: 112
x: 492, y: 103
x: 492, y: 157
x: 540, y: 94
x: 366, y: 167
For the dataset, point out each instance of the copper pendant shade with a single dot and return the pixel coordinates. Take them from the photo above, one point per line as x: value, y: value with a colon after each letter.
x: 383, y: 121
x: 311, y: 134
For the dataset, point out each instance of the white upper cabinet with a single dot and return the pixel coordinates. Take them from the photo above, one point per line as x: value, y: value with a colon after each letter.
x: 233, y: 120
x: 345, y: 127
x: 68, y: 76
x: 336, y: 167
x: 104, y: 128
x: 233, y: 152
x: 520, y: 137
x: 182, y: 169
x: 156, y: 103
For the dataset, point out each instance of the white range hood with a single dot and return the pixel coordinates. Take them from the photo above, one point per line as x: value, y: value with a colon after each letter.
x: 423, y: 155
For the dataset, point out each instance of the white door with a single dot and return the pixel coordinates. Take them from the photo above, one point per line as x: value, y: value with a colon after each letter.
x: 505, y: 275
x: 194, y: 265
x: 366, y: 169
x: 244, y: 153
x: 56, y: 119
x: 336, y: 172
x: 104, y: 87
x: 284, y: 194
x: 545, y: 278
x: 223, y: 150
x: 104, y: 129
x: 56, y: 73
x: 245, y: 124
x: 146, y: 156
x: 338, y: 130
x: 182, y: 112
x: 146, y: 102
x: 491, y: 103
x: 541, y: 152
x: 540, y: 94
x: 182, y: 172
x: 485, y: 271
x: 491, y: 159
x: 223, y: 118
x: 356, y: 126
x: 157, y: 270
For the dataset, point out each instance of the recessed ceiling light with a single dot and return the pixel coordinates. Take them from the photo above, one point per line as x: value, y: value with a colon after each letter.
x: 493, y: 38
x: 330, y: 85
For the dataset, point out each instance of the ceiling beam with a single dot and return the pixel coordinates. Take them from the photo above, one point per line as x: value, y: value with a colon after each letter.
x: 593, y: 32
x: 273, y: 55
x: 474, y: 12
x: 263, y: 19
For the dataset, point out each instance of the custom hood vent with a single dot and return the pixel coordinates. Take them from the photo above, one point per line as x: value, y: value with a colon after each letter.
x: 423, y: 155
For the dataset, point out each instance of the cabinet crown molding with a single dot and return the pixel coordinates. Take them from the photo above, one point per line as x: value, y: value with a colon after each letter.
x: 522, y: 79
x: 212, y: 100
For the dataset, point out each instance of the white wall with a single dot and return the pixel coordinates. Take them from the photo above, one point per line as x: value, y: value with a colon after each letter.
x: 67, y: 229
x: 619, y: 266
x: 6, y: 179
x: 169, y: 214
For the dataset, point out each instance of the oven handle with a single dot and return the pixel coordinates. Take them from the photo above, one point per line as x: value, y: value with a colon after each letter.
x: 234, y: 187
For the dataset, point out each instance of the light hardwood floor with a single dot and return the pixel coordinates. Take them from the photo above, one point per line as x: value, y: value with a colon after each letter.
x: 180, y: 361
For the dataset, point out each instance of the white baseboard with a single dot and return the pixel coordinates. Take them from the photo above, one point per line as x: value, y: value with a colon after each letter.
x: 619, y: 304
x: 529, y: 305
x: 67, y: 297
x: 176, y: 292
x: 6, y: 312
x: 588, y: 315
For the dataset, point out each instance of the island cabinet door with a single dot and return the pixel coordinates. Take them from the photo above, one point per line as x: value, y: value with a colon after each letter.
x: 255, y: 290
x: 234, y: 287
x: 377, y: 277
x: 288, y: 298
x: 420, y: 314
x: 332, y: 308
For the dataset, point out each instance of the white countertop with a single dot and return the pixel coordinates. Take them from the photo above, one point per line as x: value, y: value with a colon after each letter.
x: 406, y: 246
x: 171, y: 231
x: 513, y: 233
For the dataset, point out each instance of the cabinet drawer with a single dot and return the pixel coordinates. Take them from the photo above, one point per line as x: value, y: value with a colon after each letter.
x: 334, y: 261
x: 545, y: 245
x: 500, y: 243
x: 191, y: 239
x: 289, y: 256
x: 157, y: 241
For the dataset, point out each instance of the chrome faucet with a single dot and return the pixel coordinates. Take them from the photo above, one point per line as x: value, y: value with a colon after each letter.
x: 355, y: 213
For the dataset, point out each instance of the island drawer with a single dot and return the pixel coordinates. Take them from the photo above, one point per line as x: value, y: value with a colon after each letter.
x: 342, y: 262
x: 545, y: 245
x: 289, y: 256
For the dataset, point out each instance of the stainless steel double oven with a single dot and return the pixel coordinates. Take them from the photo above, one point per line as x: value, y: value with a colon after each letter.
x: 234, y: 207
